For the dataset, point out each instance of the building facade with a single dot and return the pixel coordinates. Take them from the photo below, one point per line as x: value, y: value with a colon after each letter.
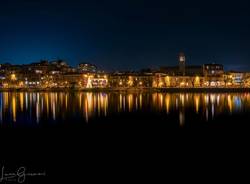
x: 58, y: 74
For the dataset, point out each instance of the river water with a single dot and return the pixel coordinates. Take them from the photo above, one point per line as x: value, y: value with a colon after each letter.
x: 36, y: 109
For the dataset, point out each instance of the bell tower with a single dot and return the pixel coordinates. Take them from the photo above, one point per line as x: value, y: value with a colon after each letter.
x: 182, y: 63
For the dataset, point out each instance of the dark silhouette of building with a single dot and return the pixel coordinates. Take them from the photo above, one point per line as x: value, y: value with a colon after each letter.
x: 87, y: 68
x: 182, y: 63
x: 213, y: 70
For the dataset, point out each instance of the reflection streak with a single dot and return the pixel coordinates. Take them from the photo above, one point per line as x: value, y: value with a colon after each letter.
x: 66, y: 105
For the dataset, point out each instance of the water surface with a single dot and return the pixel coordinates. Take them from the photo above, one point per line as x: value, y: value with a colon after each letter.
x: 35, y: 109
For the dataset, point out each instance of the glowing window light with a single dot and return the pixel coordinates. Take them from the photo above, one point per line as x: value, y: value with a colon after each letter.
x: 160, y: 84
x: 21, y: 83
x: 130, y: 81
x: 13, y: 77
x: 167, y: 79
x: 213, y: 83
x: 197, y: 81
x: 182, y: 84
x: 89, y: 83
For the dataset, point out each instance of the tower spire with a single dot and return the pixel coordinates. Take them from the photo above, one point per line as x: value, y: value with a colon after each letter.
x: 182, y: 63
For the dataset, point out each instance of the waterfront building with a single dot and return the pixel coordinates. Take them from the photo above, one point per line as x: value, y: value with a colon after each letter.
x: 130, y: 79
x: 183, y: 69
x: 58, y: 74
x: 246, y: 80
x: 214, y: 75
x: 213, y: 70
x: 87, y: 80
x: 190, y: 70
x: 165, y: 81
x: 233, y: 78
x: 180, y: 76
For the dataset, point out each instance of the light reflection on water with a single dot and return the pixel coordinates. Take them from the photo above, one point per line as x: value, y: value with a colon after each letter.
x: 57, y: 106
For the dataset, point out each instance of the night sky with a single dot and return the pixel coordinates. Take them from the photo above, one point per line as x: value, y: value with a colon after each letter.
x: 126, y: 35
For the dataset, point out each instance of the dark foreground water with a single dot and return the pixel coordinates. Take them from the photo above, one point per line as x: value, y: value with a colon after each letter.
x: 81, y: 136
x: 117, y: 109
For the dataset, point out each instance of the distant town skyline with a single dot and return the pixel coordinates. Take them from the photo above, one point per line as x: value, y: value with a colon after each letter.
x: 126, y: 35
x: 110, y: 69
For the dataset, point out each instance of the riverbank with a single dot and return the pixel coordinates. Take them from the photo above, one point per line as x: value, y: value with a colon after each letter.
x: 164, y: 90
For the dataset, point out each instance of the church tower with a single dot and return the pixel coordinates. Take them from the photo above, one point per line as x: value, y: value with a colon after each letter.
x: 182, y: 63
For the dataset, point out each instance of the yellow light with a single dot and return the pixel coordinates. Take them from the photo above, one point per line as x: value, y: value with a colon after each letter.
x: 89, y: 83
x: 197, y: 81
x: 130, y: 102
x: 167, y: 79
x: 206, y: 83
x: 154, y: 84
x: 120, y: 83
x: 13, y: 77
x: 21, y: 83
x: 140, y: 83
x: 14, y: 108
x: 5, y: 85
x: 21, y: 100
x: 167, y: 102
x: 230, y: 103
x: 197, y: 103
x: 182, y: 83
x: 160, y: 84
x: 130, y: 81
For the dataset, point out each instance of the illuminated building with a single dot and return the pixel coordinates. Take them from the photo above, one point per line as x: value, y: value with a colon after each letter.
x: 182, y: 69
x: 236, y: 78
x: 213, y: 70
x: 214, y: 75
x: 130, y: 79
x: 182, y: 63
x: 57, y: 74
x: 13, y: 77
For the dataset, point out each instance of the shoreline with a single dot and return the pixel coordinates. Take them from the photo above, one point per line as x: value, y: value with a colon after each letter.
x: 163, y: 90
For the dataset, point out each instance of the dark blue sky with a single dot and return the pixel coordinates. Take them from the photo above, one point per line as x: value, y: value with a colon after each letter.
x: 123, y: 34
